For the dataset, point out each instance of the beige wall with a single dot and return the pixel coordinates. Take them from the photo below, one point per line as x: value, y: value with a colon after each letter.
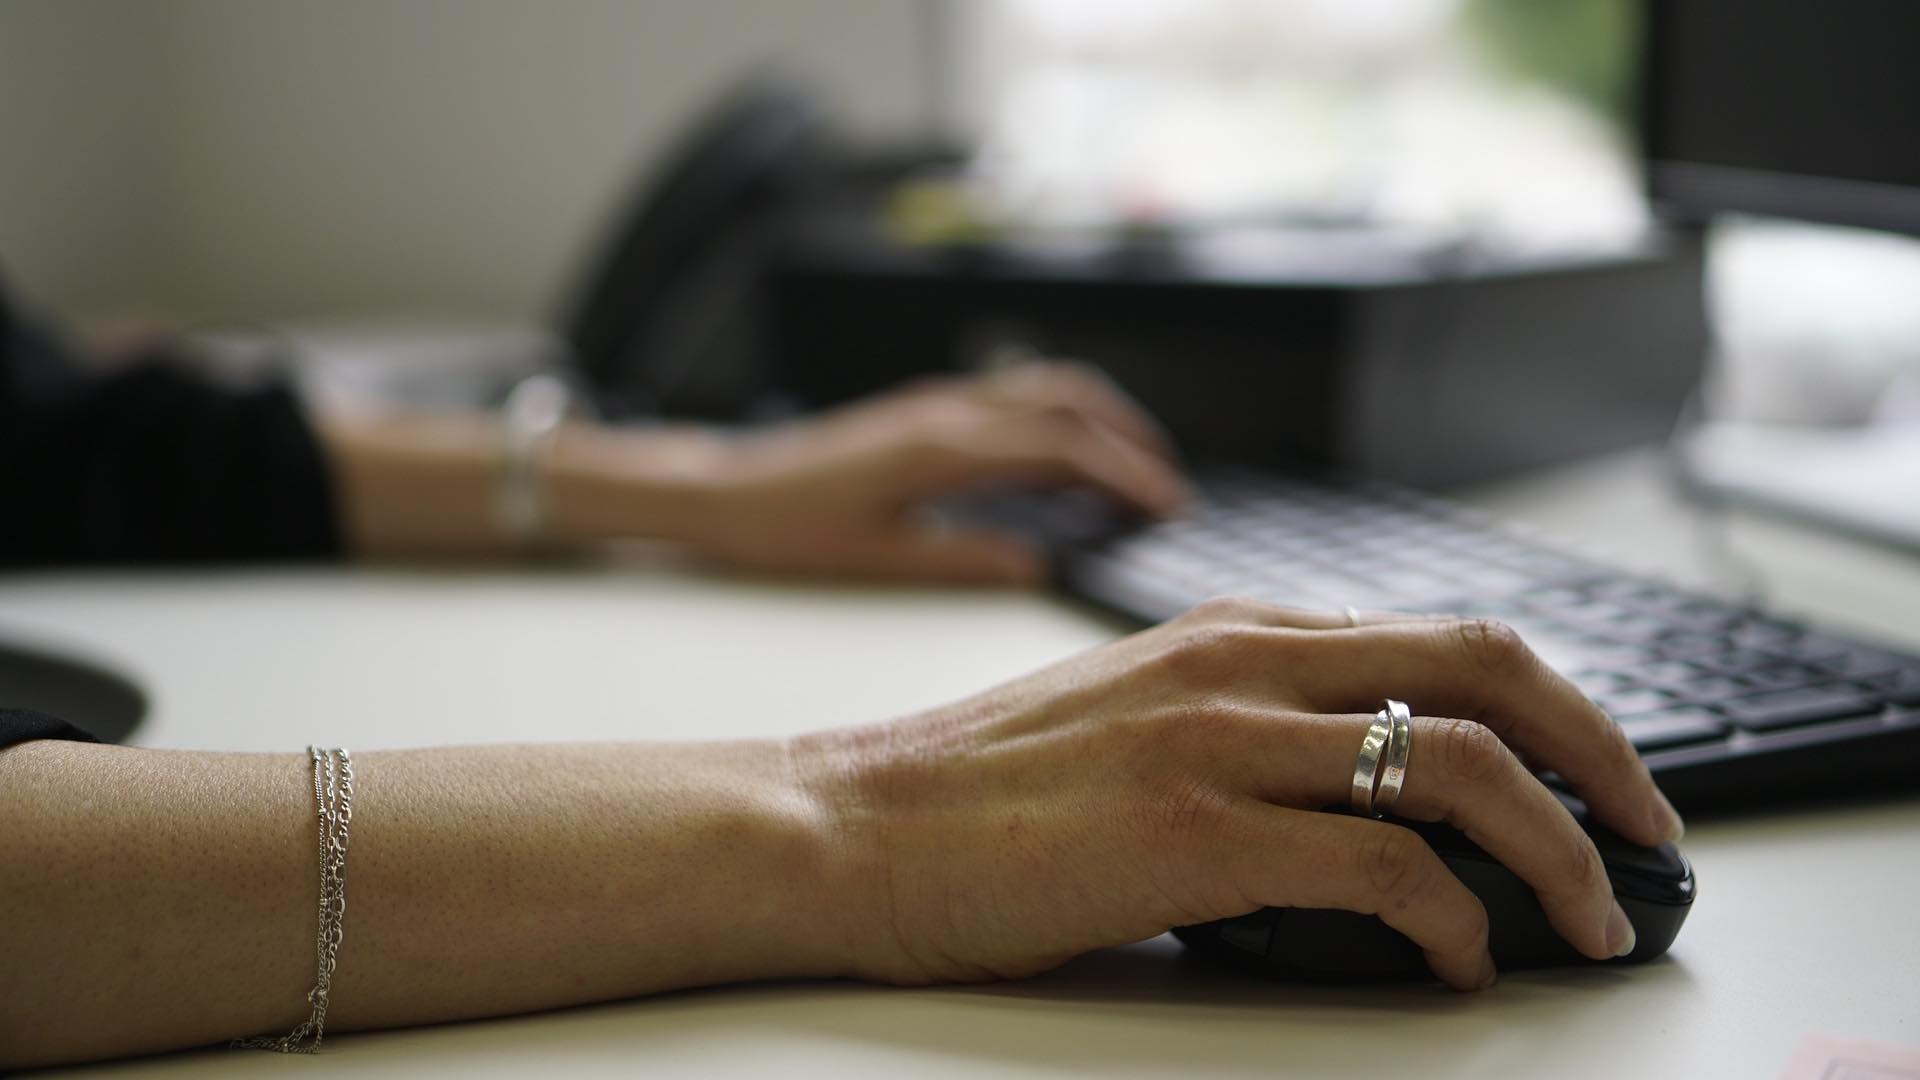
x: 78, y: 106
x: 364, y: 158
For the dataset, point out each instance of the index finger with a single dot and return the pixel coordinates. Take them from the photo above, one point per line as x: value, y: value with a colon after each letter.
x: 1081, y: 388
x: 1031, y: 449
x: 1481, y: 670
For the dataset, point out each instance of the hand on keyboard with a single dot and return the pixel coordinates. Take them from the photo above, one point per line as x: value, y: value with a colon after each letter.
x: 837, y: 494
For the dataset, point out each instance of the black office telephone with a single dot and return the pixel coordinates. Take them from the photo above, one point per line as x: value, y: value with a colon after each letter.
x: 667, y: 320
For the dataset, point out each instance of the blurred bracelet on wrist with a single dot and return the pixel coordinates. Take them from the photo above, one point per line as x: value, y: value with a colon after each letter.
x: 530, y: 421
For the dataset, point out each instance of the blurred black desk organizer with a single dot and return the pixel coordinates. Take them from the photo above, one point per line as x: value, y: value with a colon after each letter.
x: 757, y: 266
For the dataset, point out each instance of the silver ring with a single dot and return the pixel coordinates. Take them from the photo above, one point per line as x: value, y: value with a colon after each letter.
x: 1353, y: 615
x: 1399, y: 745
x: 1366, y: 767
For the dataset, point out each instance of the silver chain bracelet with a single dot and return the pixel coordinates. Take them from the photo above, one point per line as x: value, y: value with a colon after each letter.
x: 333, y: 799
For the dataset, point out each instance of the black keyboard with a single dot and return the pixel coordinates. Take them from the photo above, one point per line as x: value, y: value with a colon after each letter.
x: 1726, y: 703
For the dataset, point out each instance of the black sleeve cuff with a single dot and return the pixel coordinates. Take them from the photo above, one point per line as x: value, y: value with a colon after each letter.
x: 155, y: 464
x: 22, y: 725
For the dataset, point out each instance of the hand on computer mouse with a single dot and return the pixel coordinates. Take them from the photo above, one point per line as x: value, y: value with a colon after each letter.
x: 1175, y: 777
x: 835, y: 494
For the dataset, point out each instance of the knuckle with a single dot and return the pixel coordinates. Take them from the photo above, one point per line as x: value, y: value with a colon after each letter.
x: 1584, y: 868
x: 1184, y: 808
x: 1393, y: 863
x: 1195, y: 721
x: 1065, y: 416
x: 1226, y: 609
x: 1489, y: 644
x: 936, y: 437
x: 1064, y: 433
x: 1622, y: 748
x: 1470, y: 752
x: 1193, y: 657
x: 1084, y: 382
x: 1213, y: 642
x: 1079, y: 372
x: 925, y: 386
x: 1479, y: 932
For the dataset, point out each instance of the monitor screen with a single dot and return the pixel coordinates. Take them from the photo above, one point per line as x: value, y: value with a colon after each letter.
x: 1789, y: 107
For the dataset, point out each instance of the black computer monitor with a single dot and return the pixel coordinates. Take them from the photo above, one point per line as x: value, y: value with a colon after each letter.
x: 1790, y: 107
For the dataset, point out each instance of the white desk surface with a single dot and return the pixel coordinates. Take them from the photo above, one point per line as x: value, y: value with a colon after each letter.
x: 1805, y: 923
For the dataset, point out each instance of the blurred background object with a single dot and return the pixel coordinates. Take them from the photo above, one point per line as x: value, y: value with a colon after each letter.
x: 1762, y: 108
x: 450, y: 159
x: 1502, y: 119
x: 452, y: 177
x: 445, y: 160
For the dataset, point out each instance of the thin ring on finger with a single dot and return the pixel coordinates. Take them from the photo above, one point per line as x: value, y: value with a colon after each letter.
x: 1366, y: 766
x: 1393, y: 773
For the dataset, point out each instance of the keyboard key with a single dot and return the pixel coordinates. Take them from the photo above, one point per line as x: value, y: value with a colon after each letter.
x: 1554, y: 601
x: 1713, y: 689
x: 1628, y: 702
x: 1687, y: 645
x: 1666, y: 673
x: 1903, y: 689
x: 1814, y: 648
x: 1763, y: 633
x: 1622, y: 658
x: 1739, y: 661
x: 1633, y: 629
x: 1700, y: 617
x: 1781, y: 675
x: 1672, y: 727
x: 1597, y: 683
x: 1807, y: 705
x: 1855, y: 663
x: 1548, y: 565
x: 1624, y: 589
x: 1493, y: 580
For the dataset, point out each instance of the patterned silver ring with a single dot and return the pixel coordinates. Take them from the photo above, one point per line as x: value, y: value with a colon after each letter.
x: 1399, y: 746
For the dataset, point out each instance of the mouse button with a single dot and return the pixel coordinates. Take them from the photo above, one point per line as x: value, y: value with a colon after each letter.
x: 1575, y: 804
x: 1662, y: 861
x: 1519, y: 933
x: 1659, y: 873
x: 1342, y: 946
x: 1657, y: 925
x: 1445, y: 840
x: 1665, y: 883
x: 1251, y: 933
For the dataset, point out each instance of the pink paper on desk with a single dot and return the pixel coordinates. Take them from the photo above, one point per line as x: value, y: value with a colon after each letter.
x: 1822, y: 1058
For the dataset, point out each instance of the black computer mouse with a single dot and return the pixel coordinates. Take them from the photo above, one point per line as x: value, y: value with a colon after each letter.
x: 1654, y: 885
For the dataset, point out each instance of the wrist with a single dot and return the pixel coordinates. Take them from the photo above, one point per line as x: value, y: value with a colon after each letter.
x: 851, y: 907
x: 607, y: 483
x: 784, y: 893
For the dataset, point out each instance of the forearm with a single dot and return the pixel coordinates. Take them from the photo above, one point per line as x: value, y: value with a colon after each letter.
x: 157, y: 899
x: 425, y: 484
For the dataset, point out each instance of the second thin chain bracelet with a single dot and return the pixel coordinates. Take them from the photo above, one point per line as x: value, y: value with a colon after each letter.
x: 333, y: 802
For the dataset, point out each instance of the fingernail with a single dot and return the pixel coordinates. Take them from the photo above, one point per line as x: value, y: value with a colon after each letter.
x: 1488, y: 976
x: 1666, y: 820
x: 1620, y: 936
